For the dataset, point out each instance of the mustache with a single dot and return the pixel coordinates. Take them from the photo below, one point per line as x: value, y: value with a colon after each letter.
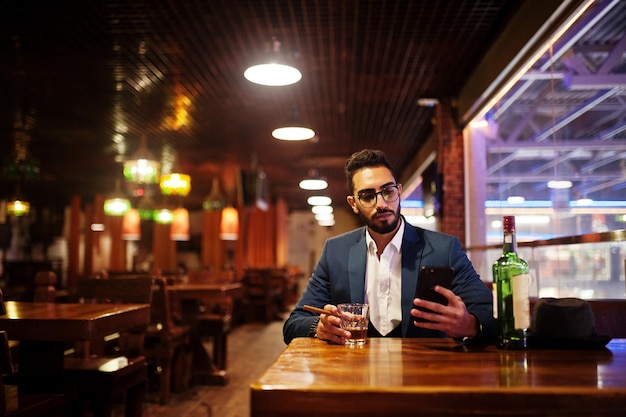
x: 382, y: 211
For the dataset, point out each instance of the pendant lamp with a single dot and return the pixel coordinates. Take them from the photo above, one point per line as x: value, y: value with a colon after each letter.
x: 117, y: 204
x: 313, y: 182
x: 179, y: 229
x: 229, y: 224
x: 18, y: 208
x: 293, y: 129
x: 142, y: 167
x: 276, y: 70
x: 131, y: 225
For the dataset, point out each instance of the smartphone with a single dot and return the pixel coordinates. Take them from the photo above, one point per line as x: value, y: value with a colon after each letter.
x: 430, y: 276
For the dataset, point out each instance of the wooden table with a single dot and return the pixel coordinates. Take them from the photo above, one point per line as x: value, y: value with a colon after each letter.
x: 437, y: 377
x: 204, y: 370
x: 43, y: 330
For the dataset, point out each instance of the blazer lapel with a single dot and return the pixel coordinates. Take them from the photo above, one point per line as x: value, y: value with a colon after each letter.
x: 357, y: 260
x: 412, y: 244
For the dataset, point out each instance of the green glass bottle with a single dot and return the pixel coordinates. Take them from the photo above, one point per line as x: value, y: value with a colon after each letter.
x: 511, y: 280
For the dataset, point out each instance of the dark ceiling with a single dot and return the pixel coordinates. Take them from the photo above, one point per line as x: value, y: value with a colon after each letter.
x: 83, y: 81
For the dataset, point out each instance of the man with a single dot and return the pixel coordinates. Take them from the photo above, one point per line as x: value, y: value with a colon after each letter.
x: 379, y: 263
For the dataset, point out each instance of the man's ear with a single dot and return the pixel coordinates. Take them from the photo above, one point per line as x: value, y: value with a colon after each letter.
x: 352, y: 202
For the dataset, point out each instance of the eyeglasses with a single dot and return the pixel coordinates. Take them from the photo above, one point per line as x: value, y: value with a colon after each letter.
x: 368, y: 198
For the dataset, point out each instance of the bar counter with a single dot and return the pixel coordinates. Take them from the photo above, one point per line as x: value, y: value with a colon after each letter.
x: 438, y: 377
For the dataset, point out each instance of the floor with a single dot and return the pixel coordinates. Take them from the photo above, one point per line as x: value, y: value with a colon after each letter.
x: 252, y: 348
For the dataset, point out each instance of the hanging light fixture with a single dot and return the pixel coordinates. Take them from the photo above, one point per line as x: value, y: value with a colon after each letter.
x: 18, y: 208
x: 319, y: 200
x: 276, y: 72
x: 293, y: 130
x: 173, y: 182
x: 131, y: 225
x: 313, y: 182
x: 117, y: 204
x: 163, y: 216
x: 142, y: 167
x: 215, y: 199
x: 176, y: 184
x: 146, y: 207
x: 179, y: 230
x: 229, y: 224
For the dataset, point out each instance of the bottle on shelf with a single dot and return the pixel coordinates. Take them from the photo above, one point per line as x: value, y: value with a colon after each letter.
x: 511, y: 304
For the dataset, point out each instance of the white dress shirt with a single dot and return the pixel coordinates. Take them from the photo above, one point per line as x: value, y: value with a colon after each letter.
x: 383, y: 284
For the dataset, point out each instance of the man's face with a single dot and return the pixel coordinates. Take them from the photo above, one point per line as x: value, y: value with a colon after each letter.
x: 383, y: 216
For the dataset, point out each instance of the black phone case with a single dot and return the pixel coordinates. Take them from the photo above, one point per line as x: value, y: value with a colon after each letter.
x: 429, y: 277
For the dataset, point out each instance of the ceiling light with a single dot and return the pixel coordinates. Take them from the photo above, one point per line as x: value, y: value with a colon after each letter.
x: 314, y: 181
x: 176, y: 184
x: 322, y: 209
x: 142, y: 167
x: 319, y: 200
x: 327, y: 223
x: 163, y: 216
x: 276, y: 72
x: 324, y: 216
x: 117, y: 204
x: 293, y: 133
x: 18, y: 208
x: 559, y: 185
x: 293, y: 129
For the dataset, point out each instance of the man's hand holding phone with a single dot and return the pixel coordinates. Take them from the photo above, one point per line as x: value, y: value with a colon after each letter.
x: 438, y: 308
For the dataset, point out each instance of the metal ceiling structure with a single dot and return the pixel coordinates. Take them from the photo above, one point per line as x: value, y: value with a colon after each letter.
x: 84, y: 81
x: 565, y: 119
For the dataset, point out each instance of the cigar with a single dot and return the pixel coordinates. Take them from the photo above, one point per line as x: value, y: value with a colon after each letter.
x: 319, y: 310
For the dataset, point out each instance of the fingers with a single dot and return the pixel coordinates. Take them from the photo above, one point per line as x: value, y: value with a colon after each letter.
x: 329, y: 328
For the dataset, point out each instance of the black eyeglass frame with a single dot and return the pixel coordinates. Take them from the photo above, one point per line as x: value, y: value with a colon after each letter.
x: 385, y: 189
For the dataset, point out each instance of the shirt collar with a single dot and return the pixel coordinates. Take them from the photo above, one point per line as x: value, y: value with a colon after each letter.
x: 396, y: 242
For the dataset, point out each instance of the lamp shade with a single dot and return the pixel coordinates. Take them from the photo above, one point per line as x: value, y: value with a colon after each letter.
x: 142, y: 167
x: 229, y: 224
x: 116, y: 206
x: 163, y: 216
x: 176, y: 184
x: 294, y: 129
x: 275, y: 71
x: 131, y: 225
x: 293, y: 133
x: 179, y: 230
x: 314, y: 181
x: 18, y: 208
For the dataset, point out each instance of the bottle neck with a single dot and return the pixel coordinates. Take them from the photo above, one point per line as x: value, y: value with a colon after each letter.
x: 509, y: 243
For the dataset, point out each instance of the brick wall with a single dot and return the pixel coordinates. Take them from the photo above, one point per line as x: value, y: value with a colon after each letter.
x: 450, y: 160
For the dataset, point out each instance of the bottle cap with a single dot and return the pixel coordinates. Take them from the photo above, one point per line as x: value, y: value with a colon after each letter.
x: 508, y: 223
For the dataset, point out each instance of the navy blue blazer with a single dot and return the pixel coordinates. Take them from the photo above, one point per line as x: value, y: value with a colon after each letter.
x: 339, y: 277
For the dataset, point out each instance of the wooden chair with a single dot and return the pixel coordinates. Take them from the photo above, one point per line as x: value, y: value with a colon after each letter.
x: 167, y: 343
x: 263, y: 295
x: 14, y: 403
x: 211, y: 318
x: 45, y: 290
x: 103, y: 376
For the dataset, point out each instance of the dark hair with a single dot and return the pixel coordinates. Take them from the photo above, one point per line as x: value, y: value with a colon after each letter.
x: 366, y: 158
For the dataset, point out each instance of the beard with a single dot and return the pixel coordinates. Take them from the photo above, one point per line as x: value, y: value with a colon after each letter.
x: 384, y: 227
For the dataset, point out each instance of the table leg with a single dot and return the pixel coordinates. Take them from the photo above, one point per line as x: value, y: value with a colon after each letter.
x: 203, y: 369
